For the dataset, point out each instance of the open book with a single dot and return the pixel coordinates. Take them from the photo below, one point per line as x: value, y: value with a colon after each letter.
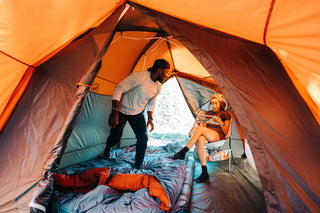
x: 202, y: 118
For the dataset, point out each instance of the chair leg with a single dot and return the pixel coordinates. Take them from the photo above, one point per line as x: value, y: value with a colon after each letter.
x: 229, y: 166
x: 234, y: 163
x: 232, y: 158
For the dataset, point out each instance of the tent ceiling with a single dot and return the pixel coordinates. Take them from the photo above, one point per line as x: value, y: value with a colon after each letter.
x: 244, y: 18
x: 289, y: 28
x: 119, y: 60
x: 135, y: 21
x: 136, y: 44
x: 184, y: 61
x: 291, y: 31
x: 30, y: 23
x: 31, y: 33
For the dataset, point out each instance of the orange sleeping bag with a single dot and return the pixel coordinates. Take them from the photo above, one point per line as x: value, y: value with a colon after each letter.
x: 88, y: 180
x: 83, y: 182
x: 134, y: 182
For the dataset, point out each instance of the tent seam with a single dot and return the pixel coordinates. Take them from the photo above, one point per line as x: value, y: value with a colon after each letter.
x: 66, y: 129
x: 17, y: 59
x: 268, y: 21
x: 171, y: 56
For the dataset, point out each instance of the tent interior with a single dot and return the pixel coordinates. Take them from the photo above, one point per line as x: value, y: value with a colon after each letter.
x: 60, y: 122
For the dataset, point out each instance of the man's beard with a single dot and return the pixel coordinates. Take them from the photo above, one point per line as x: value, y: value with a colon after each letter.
x: 160, y: 79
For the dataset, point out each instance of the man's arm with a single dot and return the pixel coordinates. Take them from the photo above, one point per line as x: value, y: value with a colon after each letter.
x: 150, y: 108
x: 130, y: 82
x: 125, y: 85
x: 152, y: 103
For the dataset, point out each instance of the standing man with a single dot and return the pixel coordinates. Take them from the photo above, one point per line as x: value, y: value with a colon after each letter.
x: 130, y: 97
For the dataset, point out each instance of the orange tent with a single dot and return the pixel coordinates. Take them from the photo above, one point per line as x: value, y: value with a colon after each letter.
x: 263, y: 55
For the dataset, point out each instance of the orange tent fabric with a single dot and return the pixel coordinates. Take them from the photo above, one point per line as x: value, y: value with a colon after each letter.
x: 278, y: 39
x: 32, y: 22
x: 290, y: 36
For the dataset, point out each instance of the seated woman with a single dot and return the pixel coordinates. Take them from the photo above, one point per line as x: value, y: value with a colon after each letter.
x: 208, y: 133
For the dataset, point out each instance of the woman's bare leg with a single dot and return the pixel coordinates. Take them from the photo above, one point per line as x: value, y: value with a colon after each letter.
x: 210, y: 135
x: 207, y: 134
x: 202, y: 158
x: 201, y: 150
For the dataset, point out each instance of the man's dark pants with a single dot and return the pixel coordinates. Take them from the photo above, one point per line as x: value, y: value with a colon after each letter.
x: 138, y: 125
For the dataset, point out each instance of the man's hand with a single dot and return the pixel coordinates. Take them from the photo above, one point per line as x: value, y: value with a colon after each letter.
x: 151, y: 124
x: 113, y: 119
x: 114, y: 116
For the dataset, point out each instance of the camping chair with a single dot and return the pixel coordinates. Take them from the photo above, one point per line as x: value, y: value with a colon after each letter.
x: 216, y: 148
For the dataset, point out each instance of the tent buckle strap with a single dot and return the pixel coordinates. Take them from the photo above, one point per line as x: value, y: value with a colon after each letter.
x: 81, y: 84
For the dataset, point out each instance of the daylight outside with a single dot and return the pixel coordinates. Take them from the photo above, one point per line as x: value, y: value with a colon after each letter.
x: 172, y: 118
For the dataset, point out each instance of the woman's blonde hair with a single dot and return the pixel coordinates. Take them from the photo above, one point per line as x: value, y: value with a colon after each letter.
x: 219, y: 97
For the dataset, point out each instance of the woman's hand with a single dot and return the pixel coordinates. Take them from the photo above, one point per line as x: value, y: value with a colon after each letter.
x: 218, y: 121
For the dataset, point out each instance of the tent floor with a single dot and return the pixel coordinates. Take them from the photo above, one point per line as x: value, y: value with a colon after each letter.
x: 238, y: 191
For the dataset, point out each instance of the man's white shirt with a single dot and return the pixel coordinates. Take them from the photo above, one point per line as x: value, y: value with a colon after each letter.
x: 137, y: 92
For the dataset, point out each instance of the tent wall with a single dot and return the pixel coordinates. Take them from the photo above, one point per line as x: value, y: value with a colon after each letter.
x: 269, y: 108
x: 196, y: 95
x: 289, y: 28
x: 127, y: 47
x: 26, y: 42
x: 42, y: 120
x: 281, y: 129
x: 91, y: 129
x: 121, y: 49
x: 294, y: 36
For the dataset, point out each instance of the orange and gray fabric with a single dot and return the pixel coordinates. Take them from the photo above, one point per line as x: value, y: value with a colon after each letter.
x: 88, y: 180
x: 134, y: 182
x: 83, y: 182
